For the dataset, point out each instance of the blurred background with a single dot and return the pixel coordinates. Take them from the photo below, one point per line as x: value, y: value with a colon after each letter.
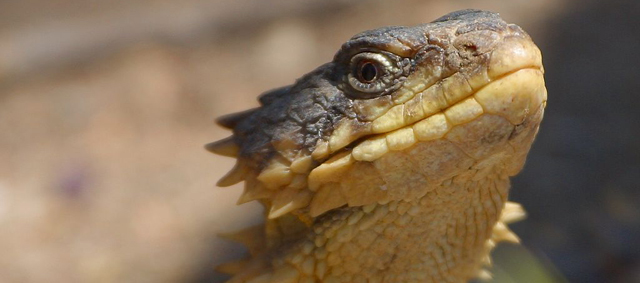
x: 105, y: 106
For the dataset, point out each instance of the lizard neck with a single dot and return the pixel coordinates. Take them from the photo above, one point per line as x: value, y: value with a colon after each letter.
x: 442, y: 236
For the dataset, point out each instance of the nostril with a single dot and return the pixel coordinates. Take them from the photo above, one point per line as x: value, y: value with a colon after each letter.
x: 470, y: 47
x: 476, y: 42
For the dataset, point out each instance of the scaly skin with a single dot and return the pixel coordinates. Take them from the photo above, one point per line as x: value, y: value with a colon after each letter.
x: 392, y: 162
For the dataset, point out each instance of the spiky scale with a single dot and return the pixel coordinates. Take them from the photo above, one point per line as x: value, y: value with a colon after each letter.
x: 502, y: 233
x: 225, y: 147
x: 237, y: 174
x: 328, y: 197
x: 254, y: 190
x: 484, y: 275
x: 253, y: 238
x: 512, y: 212
x: 276, y: 175
x: 230, y: 121
x: 289, y: 200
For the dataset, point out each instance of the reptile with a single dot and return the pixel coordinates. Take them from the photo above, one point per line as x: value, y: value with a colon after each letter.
x: 391, y: 163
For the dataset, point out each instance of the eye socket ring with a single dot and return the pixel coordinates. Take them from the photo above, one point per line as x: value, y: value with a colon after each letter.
x: 373, y: 74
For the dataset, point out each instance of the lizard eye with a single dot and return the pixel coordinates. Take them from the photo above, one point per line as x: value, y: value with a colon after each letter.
x: 374, y: 74
x: 367, y: 72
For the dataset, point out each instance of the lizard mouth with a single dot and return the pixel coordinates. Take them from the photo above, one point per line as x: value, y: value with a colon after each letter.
x: 477, y: 124
x: 512, y: 96
x: 482, y: 130
x: 509, y: 85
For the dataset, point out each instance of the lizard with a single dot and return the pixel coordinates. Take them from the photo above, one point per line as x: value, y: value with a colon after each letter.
x: 391, y: 163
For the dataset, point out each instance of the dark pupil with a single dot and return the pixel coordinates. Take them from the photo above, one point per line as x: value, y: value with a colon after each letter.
x: 368, y: 71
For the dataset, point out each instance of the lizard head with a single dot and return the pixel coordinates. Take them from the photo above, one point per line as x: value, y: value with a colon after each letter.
x: 398, y: 110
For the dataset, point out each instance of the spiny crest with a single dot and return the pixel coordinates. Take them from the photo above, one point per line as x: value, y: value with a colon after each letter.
x: 225, y: 147
x: 511, y: 212
x: 230, y: 121
x: 288, y: 184
x: 282, y: 184
x: 237, y: 174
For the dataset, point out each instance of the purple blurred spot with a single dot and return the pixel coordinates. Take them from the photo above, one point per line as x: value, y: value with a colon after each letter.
x: 74, y: 181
